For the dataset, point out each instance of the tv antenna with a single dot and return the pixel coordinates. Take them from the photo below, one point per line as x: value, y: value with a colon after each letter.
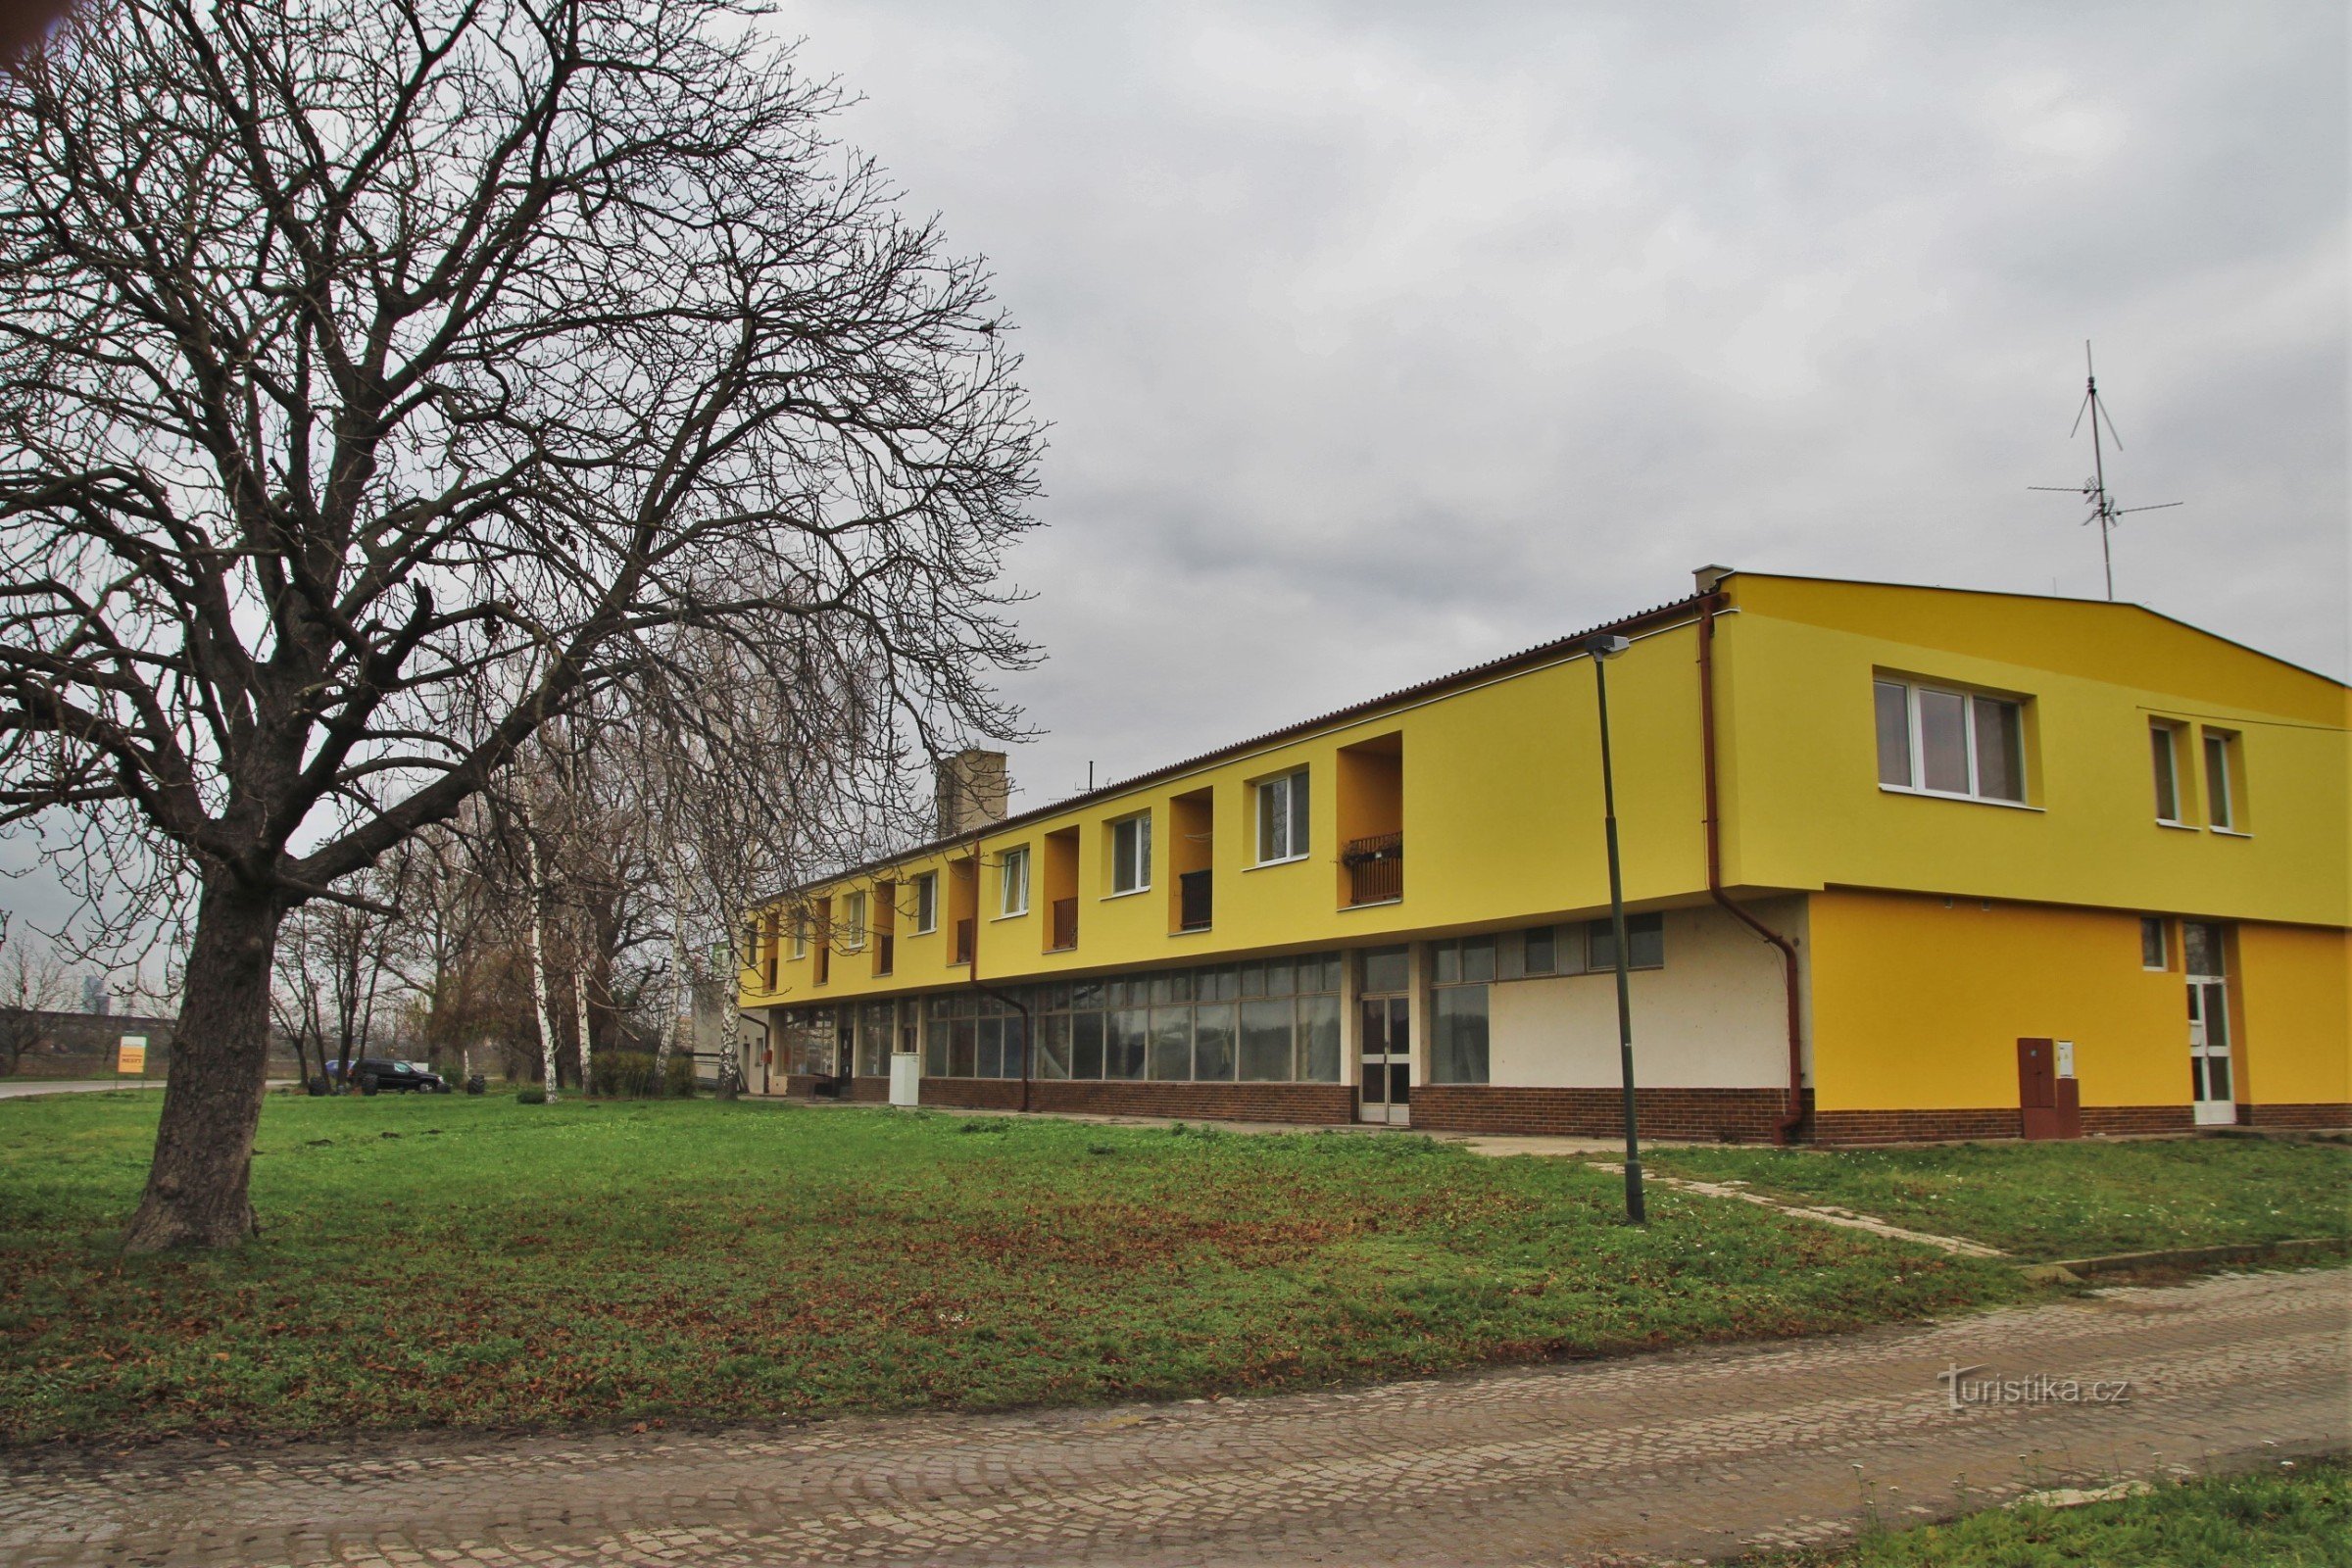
x: 2093, y: 490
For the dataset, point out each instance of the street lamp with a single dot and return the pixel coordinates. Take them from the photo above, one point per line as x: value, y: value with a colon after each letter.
x: 1603, y: 648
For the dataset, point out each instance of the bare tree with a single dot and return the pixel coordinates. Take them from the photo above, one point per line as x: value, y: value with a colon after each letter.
x: 378, y: 382
x: 31, y: 982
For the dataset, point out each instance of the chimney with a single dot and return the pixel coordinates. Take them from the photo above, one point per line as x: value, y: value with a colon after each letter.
x: 1707, y: 577
x: 973, y: 787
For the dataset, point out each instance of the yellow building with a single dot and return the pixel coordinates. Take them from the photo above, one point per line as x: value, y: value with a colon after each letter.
x: 1901, y: 861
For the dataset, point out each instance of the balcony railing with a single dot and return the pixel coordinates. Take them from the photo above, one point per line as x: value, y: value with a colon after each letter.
x: 963, y: 940
x: 886, y: 955
x: 1375, y: 868
x: 1193, y: 905
x: 1065, y: 926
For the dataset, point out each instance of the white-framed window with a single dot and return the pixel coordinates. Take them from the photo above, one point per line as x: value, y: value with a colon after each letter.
x: 1131, y: 854
x: 1282, y: 818
x: 1012, y: 882
x: 800, y: 934
x: 852, y: 919
x: 927, y: 903
x: 2221, y: 793
x: 2164, y: 748
x: 2155, y: 950
x: 1934, y: 740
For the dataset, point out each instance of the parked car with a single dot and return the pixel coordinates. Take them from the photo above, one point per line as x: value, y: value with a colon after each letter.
x: 374, y: 1075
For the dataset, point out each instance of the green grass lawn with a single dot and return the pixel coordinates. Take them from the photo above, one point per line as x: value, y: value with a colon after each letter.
x: 456, y: 1262
x: 2062, y: 1200
x: 2275, y: 1518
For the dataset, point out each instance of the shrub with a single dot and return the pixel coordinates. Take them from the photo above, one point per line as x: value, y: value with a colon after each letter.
x: 623, y: 1074
x: 678, y: 1078
x: 531, y: 1096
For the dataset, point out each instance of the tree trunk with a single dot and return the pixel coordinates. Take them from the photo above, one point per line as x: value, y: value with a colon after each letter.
x: 547, y: 1025
x: 580, y: 1013
x: 680, y: 991
x: 219, y: 1061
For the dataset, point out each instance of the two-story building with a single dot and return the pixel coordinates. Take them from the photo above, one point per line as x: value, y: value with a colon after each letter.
x: 1901, y: 861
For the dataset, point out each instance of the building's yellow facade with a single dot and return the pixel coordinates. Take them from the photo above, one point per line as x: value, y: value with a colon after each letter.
x: 1943, y: 805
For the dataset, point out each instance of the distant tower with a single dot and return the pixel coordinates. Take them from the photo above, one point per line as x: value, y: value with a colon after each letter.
x: 2103, y: 509
x: 94, y: 995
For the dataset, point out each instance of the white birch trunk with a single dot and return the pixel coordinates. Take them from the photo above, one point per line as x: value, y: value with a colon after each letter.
x: 546, y: 1023
x: 579, y: 1007
x: 681, y: 991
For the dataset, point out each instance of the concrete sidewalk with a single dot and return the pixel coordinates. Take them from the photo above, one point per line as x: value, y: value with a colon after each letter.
x: 1687, y: 1455
x: 27, y: 1087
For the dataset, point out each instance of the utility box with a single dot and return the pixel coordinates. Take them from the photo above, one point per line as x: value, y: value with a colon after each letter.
x: 906, y: 1078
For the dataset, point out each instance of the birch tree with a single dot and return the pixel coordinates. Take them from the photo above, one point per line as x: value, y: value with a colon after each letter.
x: 381, y: 381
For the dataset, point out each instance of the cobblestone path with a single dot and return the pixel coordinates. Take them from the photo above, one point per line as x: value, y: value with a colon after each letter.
x: 1675, y: 1456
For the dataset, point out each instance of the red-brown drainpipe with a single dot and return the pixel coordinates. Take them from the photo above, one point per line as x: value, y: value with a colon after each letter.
x: 1795, y: 1113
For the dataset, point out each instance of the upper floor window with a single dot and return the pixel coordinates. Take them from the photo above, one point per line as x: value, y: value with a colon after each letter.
x: 2164, y: 745
x: 1942, y: 741
x: 1013, y: 881
x: 1645, y: 943
x: 2155, y: 951
x: 926, y: 901
x: 2222, y: 809
x: 1282, y: 818
x: 852, y: 920
x: 799, y: 935
x: 1131, y: 854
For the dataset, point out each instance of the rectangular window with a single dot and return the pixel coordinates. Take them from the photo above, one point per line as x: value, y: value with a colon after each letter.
x: 926, y: 901
x: 1123, y: 1042
x: 2201, y: 949
x: 1939, y: 742
x: 1131, y: 854
x: 1539, y: 950
x: 1013, y: 881
x: 2155, y: 953
x: 1319, y: 1039
x: 1171, y: 1043
x: 1458, y: 1049
x: 2164, y: 744
x: 1645, y: 943
x: 1213, y: 1042
x: 2221, y: 793
x: 1266, y: 1041
x: 852, y: 920
x: 1086, y: 1045
x: 1053, y: 1046
x: 799, y: 935
x: 1282, y: 818
x: 1386, y: 970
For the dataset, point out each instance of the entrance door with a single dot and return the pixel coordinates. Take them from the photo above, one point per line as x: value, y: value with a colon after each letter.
x: 1386, y: 1084
x: 2209, y: 1078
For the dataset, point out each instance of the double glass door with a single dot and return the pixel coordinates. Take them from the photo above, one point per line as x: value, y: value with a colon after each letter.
x: 1387, y: 1045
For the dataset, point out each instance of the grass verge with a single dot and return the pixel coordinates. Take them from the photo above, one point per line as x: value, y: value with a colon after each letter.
x: 2298, y: 1517
x: 2061, y: 1199
x: 477, y: 1263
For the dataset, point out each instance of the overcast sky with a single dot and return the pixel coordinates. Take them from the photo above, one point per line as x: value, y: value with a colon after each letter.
x: 1381, y: 339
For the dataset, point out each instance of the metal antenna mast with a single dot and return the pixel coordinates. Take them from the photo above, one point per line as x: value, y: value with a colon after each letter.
x: 2103, y: 509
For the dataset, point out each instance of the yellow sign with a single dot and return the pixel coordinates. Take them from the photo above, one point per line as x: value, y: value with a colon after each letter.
x: 131, y: 1055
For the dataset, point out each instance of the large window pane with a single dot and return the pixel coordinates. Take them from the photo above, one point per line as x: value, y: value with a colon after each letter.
x: 1123, y: 1049
x: 1015, y: 1047
x: 1213, y: 1042
x: 2000, y: 760
x: 1386, y: 970
x: 1943, y: 741
x: 1086, y: 1045
x: 1171, y: 1043
x: 934, y: 1047
x: 962, y: 1048
x: 1894, y: 734
x: 1282, y: 977
x: 1478, y: 959
x: 992, y: 1048
x: 1053, y: 1046
x: 1539, y: 950
x: 1446, y: 960
x: 1319, y: 1039
x: 1265, y: 1041
x: 1457, y: 1051
x: 2168, y: 772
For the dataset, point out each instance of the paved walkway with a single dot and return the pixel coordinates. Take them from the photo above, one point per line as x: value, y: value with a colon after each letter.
x: 22, y: 1088
x: 1683, y: 1455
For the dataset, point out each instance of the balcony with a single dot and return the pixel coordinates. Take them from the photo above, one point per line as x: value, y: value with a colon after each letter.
x: 1375, y: 868
x: 964, y: 938
x: 1194, y: 904
x: 1065, y: 926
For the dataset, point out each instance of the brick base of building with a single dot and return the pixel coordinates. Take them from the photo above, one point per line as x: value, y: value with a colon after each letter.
x: 1991, y: 1122
x: 1730, y: 1115
x: 2326, y: 1118
x: 1299, y: 1105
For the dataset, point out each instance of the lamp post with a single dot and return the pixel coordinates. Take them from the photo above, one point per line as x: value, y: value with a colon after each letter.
x: 1604, y: 647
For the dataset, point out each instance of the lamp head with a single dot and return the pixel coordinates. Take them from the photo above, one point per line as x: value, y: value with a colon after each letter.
x: 1606, y: 645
